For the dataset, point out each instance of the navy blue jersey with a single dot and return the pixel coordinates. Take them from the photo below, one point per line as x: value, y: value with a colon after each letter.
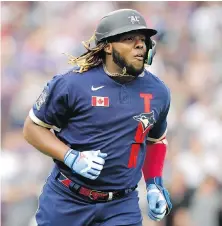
x: 90, y: 111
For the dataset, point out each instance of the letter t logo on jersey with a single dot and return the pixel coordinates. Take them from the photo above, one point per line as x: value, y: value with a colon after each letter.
x: 100, y: 101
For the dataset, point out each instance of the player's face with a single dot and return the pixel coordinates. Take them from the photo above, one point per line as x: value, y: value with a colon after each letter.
x: 130, y: 52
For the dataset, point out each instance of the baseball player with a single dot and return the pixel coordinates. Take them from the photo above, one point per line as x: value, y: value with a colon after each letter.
x: 104, y: 123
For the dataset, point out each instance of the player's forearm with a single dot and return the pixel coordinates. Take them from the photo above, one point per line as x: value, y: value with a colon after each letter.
x: 44, y: 140
x: 154, y: 161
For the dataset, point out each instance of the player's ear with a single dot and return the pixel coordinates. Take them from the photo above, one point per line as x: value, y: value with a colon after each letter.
x: 108, y: 49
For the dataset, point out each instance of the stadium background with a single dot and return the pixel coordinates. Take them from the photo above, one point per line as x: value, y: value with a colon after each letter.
x: 33, y: 37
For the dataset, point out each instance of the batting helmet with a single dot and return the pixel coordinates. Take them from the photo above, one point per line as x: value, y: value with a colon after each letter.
x: 122, y: 21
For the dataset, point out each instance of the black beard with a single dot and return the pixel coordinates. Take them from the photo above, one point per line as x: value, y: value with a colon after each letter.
x: 121, y: 62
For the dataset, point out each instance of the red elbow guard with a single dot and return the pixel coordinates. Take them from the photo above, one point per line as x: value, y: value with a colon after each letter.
x: 154, y: 161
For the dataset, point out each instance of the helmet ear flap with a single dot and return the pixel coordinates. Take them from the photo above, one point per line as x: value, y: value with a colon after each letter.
x: 151, y: 51
x: 150, y: 57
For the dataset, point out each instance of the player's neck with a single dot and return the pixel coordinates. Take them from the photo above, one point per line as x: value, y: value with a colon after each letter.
x: 118, y: 77
x: 114, y: 69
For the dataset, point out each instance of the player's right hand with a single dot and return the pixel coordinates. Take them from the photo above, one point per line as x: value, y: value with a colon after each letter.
x: 88, y: 164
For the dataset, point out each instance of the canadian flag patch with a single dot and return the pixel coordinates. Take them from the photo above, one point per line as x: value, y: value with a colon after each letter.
x: 100, y: 101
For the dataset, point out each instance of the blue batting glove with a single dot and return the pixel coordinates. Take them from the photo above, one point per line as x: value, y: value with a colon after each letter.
x: 88, y: 164
x: 158, y: 198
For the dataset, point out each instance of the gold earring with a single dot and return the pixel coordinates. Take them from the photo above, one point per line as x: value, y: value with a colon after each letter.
x: 124, y: 70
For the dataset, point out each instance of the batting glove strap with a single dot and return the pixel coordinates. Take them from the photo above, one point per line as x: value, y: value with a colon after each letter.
x: 159, y: 184
x: 70, y: 157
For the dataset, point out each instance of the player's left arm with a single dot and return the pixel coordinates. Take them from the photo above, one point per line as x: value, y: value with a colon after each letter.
x: 157, y: 196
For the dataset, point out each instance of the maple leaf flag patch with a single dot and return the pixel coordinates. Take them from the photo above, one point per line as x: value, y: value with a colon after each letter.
x: 100, y: 101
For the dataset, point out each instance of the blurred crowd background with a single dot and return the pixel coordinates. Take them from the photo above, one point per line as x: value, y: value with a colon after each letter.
x: 34, y: 36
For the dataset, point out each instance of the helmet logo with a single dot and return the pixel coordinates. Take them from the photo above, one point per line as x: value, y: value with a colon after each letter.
x: 134, y: 19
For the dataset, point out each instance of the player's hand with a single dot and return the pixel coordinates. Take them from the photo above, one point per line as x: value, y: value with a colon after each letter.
x: 88, y: 164
x: 158, y: 199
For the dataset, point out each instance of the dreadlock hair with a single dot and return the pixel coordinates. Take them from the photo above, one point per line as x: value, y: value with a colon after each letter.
x: 92, y: 58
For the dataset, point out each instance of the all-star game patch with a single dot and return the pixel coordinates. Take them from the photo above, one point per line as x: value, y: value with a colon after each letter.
x: 42, y: 98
